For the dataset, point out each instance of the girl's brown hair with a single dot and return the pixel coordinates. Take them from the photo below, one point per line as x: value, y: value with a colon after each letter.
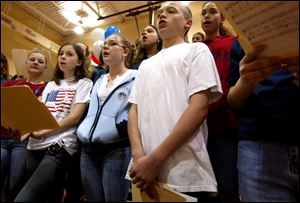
x: 80, y: 71
x: 222, y: 29
x: 141, y: 53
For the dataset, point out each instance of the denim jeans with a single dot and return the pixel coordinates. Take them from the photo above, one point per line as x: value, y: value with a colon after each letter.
x: 13, y: 164
x: 48, y: 175
x: 268, y: 172
x: 103, y: 175
x: 222, y: 150
x: 73, y: 184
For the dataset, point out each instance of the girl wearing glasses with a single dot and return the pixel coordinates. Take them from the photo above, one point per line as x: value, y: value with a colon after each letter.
x: 106, y: 151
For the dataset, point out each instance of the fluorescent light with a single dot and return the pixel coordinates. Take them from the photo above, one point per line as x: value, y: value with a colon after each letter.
x: 78, y: 30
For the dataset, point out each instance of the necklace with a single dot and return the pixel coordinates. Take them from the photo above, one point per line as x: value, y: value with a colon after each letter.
x: 118, y: 75
x: 111, y: 82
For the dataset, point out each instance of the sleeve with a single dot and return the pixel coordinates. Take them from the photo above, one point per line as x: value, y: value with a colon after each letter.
x: 6, y: 83
x: 46, y: 91
x: 39, y: 91
x: 133, y: 94
x: 236, y: 55
x: 9, y: 83
x: 203, y: 73
x: 83, y: 91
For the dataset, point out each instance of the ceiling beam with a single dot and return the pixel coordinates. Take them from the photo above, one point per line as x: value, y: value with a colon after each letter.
x: 61, y: 29
x: 90, y: 7
x: 122, y: 19
x: 60, y: 8
x: 131, y: 10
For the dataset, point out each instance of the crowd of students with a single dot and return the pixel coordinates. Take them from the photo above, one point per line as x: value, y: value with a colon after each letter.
x: 205, y: 118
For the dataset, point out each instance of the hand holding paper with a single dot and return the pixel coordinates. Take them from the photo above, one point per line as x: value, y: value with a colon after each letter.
x: 291, y: 64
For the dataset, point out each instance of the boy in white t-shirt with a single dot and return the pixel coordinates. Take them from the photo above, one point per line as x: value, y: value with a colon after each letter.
x: 170, y: 97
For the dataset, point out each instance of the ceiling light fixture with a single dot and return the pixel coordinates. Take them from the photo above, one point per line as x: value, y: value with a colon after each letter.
x: 185, y: 2
x: 78, y: 30
x: 80, y: 14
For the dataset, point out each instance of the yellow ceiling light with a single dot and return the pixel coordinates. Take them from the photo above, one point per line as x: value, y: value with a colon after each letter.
x: 185, y: 2
x: 80, y: 14
x: 78, y: 30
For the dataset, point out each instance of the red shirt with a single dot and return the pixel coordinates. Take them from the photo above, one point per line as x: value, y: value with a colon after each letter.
x: 220, y: 117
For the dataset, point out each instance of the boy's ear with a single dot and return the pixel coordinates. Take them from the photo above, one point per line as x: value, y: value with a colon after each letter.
x: 188, y: 24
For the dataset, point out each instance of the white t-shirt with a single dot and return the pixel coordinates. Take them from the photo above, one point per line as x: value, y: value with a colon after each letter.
x: 161, y: 90
x: 60, y: 100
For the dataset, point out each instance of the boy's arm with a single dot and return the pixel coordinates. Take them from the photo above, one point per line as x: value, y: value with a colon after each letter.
x: 186, y: 126
x: 134, y: 133
x: 146, y: 168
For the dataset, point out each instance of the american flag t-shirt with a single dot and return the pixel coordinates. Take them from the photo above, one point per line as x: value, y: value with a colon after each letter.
x: 59, y: 102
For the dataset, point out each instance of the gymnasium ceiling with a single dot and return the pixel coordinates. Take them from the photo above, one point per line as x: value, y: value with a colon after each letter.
x: 53, y: 13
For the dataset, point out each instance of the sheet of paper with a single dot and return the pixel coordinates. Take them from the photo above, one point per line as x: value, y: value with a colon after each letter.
x: 273, y: 23
x: 20, y: 109
x: 164, y: 192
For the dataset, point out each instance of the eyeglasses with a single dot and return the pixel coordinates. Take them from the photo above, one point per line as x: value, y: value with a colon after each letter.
x: 111, y: 44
